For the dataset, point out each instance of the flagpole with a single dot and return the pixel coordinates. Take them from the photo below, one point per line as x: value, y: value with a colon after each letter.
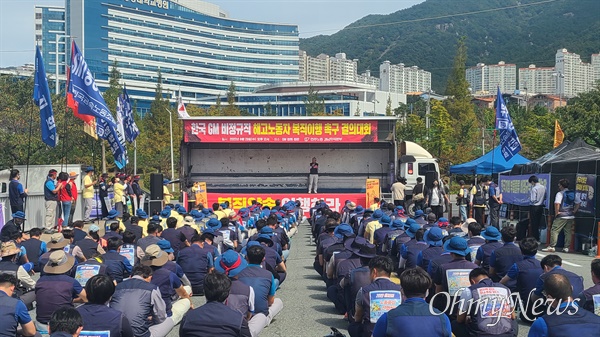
x: 135, y: 157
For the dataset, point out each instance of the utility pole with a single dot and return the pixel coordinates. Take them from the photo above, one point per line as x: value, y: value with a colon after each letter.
x: 427, y: 112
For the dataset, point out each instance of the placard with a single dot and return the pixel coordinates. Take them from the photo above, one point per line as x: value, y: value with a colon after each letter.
x: 382, y: 301
x: 596, y: 299
x: 95, y: 333
x: 515, y: 189
x: 129, y: 254
x: 372, y: 191
x: 458, y: 279
x: 287, y: 131
x: 494, y: 302
x: 585, y: 189
x: 85, y: 272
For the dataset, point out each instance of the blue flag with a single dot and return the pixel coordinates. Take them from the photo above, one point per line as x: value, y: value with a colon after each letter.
x: 509, y: 141
x: 85, y: 92
x: 41, y: 97
x: 131, y: 129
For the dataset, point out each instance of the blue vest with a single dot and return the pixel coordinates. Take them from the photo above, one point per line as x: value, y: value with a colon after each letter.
x: 14, y: 194
x: 88, y: 247
x: 413, y: 252
x: 174, y: 237
x: 359, y: 277
x: 414, y: 318
x: 260, y: 281
x: 34, y: 250
x: 52, y: 292
x: 146, y: 241
x: 97, y: 317
x: 582, y: 323
x: 78, y: 235
x: 529, y: 273
x: 188, y: 232
x: 454, y: 264
x: 8, y: 309
x: 212, y: 319
x: 194, y: 262
x: 379, y: 238
x: 506, y: 256
x: 491, y: 325
x: 136, y: 230
x: 48, y: 195
x: 238, y: 298
x: 133, y: 298
x: 115, y: 267
x: 488, y: 248
x: 576, y: 280
x: 345, y: 267
x: 378, y: 284
x: 162, y: 278
x: 429, y: 254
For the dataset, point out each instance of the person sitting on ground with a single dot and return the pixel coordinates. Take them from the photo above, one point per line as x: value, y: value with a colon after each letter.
x: 174, y: 236
x: 97, y: 315
x: 152, y: 238
x: 69, y: 235
x: 57, y: 242
x: 136, y: 227
x: 12, y: 226
x: 9, y: 264
x: 565, y: 318
x: 414, y: 317
x: 504, y: 257
x: 14, y: 311
x: 78, y: 232
x: 455, y: 228
x: 215, y: 318
x: 196, y: 261
x: 586, y: 298
x: 35, y: 247
x: 88, y: 246
x: 114, y: 231
x: 552, y: 264
x: 117, y: 266
x: 492, y: 238
x: 65, y: 322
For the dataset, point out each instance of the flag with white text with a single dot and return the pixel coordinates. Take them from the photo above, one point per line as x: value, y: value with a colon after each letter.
x: 41, y: 97
x: 509, y: 141
x: 129, y: 126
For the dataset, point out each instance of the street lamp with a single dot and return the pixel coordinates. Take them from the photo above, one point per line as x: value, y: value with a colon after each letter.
x: 171, y: 134
x: 57, y: 39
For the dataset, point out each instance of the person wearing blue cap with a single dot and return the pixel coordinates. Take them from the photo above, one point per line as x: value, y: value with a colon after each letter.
x: 373, y: 225
x: 458, y: 249
x: 166, y: 193
x: 381, y: 233
x: 433, y: 237
x: 337, y: 252
x: 410, y: 250
x: 12, y: 227
x: 492, y: 238
x: 420, y: 217
x: 503, y: 258
x: 325, y: 241
x: 397, y: 228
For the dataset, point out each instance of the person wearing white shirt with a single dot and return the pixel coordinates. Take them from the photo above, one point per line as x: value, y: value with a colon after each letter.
x: 566, y: 204
x: 537, y: 195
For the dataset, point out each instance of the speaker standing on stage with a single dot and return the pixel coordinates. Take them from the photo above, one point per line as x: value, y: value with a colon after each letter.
x: 313, y: 177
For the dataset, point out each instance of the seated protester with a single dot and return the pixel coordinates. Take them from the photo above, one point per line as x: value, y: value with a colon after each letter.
x: 380, y: 234
x: 259, y: 224
x: 114, y: 231
x: 342, y: 250
x: 174, y: 236
x: 280, y: 234
x: 57, y: 242
x: 486, y: 308
x: 492, y: 242
x: 56, y: 289
x: 414, y: 317
x: 141, y: 302
x: 397, y: 228
x: 168, y: 283
x: 455, y: 228
x: 565, y: 318
x: 65, y: 322
x: 526, y: 274
x: 14, y: 311
x: 411, y: 229
x: 12, y: 226
x: 366, y: 311
x: 504, y: 257
x: 273, y: 258
x: 356, y: 217
x: 585, y: 298
x: 420, y: 217
x: 552, y: 264
x: 361, y: 250
x: 431, y: 221
x: 78, y: 232
x: 266, y: 306
x: 88, y: 268
x: 97, y: 315
x: 326, y: 239
x: 411, y: 249
x: 35, y: 248
x: 141, y: 220
x: 433, y: 237
x: 241, y: 297
x: 267, y: 232
x: 189, y: 228
x: 9, y: 264
x: 165, y: 246
x: 373, y: 225
x: 128, y: 249
x: 474, y: 239
x: 196, y: 261
x: 67, y: 234
x: 87, y: 247
x: 330, y: 225
x: 151, y: 239
x: 117, y: 266
x: 362, y: 224
x: 214, y: 318
x: 456, y: 269
x: 352, y: 282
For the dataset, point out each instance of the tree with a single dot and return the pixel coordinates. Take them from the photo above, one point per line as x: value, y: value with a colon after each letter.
x: 315, y: 105
x: 581, y: 117
x: 458, y: 87
x: 231, y: 109
x: 269, y: 111
x: 441, y: 132
x: 388, y: 106
x: 413, y: 130
x: 357, y: 112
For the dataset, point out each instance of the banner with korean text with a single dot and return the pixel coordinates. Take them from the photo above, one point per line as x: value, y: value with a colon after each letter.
x: 292, y: 131
x: 334, y: 201
x: 372, y: 191
x: 515, y: 189
x: 585, y: 189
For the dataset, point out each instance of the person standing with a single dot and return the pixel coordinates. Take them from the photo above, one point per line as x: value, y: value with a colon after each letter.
x: 478, y: 200
x: 462, y: 201
x: 419, y: 194
x: 566, y: 204
x: 436, y: 199
x: 495, y: 200
x: 537, y: 195
x: 51, y: 189
x: 88, y: 193
x: 16, y: 192
x: 72, y: 177
x: 119, y: 190
x: 398, y: 191
x: 166, y: 194
x: 65, y: 197
x: 137, y: 190
x: 313, y: 177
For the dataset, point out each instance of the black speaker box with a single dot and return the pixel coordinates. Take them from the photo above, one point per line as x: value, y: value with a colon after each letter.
x: 156, y: 186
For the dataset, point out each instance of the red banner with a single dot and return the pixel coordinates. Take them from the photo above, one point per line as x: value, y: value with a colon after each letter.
x: 292, y: 131
x: 237, y: 201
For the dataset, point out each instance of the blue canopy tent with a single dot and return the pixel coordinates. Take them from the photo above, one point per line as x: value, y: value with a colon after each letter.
x: 483, y: 164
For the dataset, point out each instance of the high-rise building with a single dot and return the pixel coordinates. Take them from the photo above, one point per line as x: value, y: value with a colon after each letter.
x: 398, y: 78
x: 573, y: 75
x: 596, y: 68
x: 342, y: 69
x: 326, y: 68
x: 317, y: 68
x: 367, y: 78
x: 537, y: 80
x: 50, y: 31
x: 484, y: 79
x: 195, y: 46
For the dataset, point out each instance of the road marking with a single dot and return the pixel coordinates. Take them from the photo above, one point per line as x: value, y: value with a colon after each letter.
x: 563, y: 261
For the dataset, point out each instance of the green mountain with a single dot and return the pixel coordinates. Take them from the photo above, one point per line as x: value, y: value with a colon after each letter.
x: 522, y: 32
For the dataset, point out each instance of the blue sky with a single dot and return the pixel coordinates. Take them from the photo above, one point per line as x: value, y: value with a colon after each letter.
x: 313, y: 17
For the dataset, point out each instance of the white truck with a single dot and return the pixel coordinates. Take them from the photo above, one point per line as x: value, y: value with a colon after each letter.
x: 414, y: 161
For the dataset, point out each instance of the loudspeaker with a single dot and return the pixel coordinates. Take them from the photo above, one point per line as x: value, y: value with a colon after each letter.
x: 156, y: 186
